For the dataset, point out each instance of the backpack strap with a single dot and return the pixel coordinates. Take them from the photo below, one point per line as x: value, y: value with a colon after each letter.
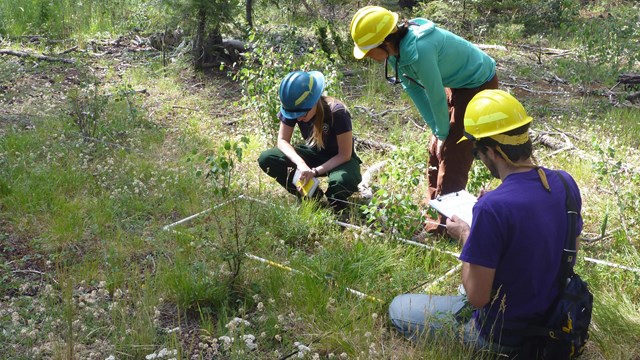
x: 569, y: 251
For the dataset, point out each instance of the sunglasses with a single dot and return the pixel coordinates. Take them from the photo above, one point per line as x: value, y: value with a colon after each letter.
x: 393, y: 80
x: 476, y: 154
x: 477, y: 149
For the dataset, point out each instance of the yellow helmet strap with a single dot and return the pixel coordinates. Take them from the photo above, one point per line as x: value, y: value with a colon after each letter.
x: 541, y: 174
x: 511, y: 139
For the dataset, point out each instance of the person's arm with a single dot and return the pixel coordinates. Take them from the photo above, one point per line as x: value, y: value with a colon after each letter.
x: 428, y: 74
x: 284, y: 144
x: 345, y: 149
x: 420, y: 101
x: 477, y: 280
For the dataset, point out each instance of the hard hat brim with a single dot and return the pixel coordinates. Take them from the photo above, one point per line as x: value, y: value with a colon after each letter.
x: 292, y: 115
x: 358, y: 54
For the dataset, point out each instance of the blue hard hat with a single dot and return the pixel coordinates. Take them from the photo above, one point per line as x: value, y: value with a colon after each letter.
x: 299, y: 92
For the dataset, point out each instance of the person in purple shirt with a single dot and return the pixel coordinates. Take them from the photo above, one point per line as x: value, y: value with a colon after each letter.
x: 512, y: 250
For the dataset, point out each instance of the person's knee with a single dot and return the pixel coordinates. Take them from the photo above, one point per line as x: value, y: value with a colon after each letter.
x: 344, y: 181
x: 262, y: 160
x: 267, y: 160
x: 394, y: 308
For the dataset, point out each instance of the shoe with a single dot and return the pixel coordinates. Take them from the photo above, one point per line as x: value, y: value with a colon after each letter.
x: 422, y: 236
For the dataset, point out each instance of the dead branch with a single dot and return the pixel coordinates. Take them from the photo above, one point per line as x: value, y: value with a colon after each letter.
x: 634, y: 96
x: 184, y: 107
x: 307, y: 6
x: 493, y: 47
x: 629, y: 78
x: 380, y: 114
x: 30, y: 271
x: 130, y: 92
x: 365, y: 185
x: 71, y: 49
x: 526, y: 88
x: 594, y: 239
x: 421, y: 127
x: 374, y: 144
x: 35, y: 56
x: 543, y: 50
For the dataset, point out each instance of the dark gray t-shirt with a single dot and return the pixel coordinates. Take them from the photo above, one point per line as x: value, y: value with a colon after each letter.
x: 337, y: 120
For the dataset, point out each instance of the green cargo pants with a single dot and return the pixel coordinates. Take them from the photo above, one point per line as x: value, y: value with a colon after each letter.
x: 343, y: 180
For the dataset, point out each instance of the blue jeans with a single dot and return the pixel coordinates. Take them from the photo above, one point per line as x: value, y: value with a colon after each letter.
x: 416, y: 315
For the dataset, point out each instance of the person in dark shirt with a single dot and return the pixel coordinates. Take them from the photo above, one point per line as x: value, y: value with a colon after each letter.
x: 325, y: 125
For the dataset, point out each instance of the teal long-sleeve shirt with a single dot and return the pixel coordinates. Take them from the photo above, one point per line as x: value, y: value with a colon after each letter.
x: 437, y: 58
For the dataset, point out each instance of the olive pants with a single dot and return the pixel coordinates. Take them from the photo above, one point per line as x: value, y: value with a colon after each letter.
x: 343, y: 180
x: 449, y: 172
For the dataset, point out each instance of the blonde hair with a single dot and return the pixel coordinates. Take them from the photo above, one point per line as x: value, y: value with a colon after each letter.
x: 322, y: 106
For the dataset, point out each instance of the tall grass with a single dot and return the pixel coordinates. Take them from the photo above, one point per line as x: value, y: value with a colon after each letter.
x: 69, y: 18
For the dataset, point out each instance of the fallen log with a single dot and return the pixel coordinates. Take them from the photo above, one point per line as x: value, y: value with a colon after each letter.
x: 633, y: 97
x: 629, y: 78
x: 374, y: 144
x: 365, y: 185
x: 35, y: 56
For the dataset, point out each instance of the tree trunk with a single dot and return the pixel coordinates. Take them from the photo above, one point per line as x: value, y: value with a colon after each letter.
x: 198, y: 43
x: 249, y: 13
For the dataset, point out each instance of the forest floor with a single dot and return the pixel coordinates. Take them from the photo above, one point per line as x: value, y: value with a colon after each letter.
x: 35, y: 90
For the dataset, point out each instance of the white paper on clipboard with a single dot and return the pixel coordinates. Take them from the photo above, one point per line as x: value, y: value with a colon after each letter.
x: 307, y: 189
x: 459, y: 203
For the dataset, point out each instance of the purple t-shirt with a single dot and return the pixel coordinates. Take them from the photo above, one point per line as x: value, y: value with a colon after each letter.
x: 519, y: 229
x: 337, y: 120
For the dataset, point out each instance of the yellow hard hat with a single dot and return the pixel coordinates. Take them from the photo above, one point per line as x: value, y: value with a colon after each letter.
x: 369, y: 27
x: 493, y: 112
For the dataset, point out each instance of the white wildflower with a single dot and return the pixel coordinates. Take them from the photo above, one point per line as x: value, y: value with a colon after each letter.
x: 175, y: 329
x: 233, y: 324
x: 118, y: 294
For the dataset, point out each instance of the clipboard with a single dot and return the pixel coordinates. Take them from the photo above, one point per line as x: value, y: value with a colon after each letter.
x: 458, y: 203
x: 308, y: 189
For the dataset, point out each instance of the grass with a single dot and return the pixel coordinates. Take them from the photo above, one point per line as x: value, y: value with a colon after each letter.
x: 87, y: 270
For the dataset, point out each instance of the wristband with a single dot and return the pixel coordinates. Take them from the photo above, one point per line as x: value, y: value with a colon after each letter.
x: 315, y: 171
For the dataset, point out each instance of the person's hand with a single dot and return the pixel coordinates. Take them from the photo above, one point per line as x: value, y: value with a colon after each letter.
x: 439, y: 147
x: 306, y: 174
x: 458, y: 229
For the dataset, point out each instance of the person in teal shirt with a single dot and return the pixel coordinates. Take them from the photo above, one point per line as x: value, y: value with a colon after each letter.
x: 441, y: 72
